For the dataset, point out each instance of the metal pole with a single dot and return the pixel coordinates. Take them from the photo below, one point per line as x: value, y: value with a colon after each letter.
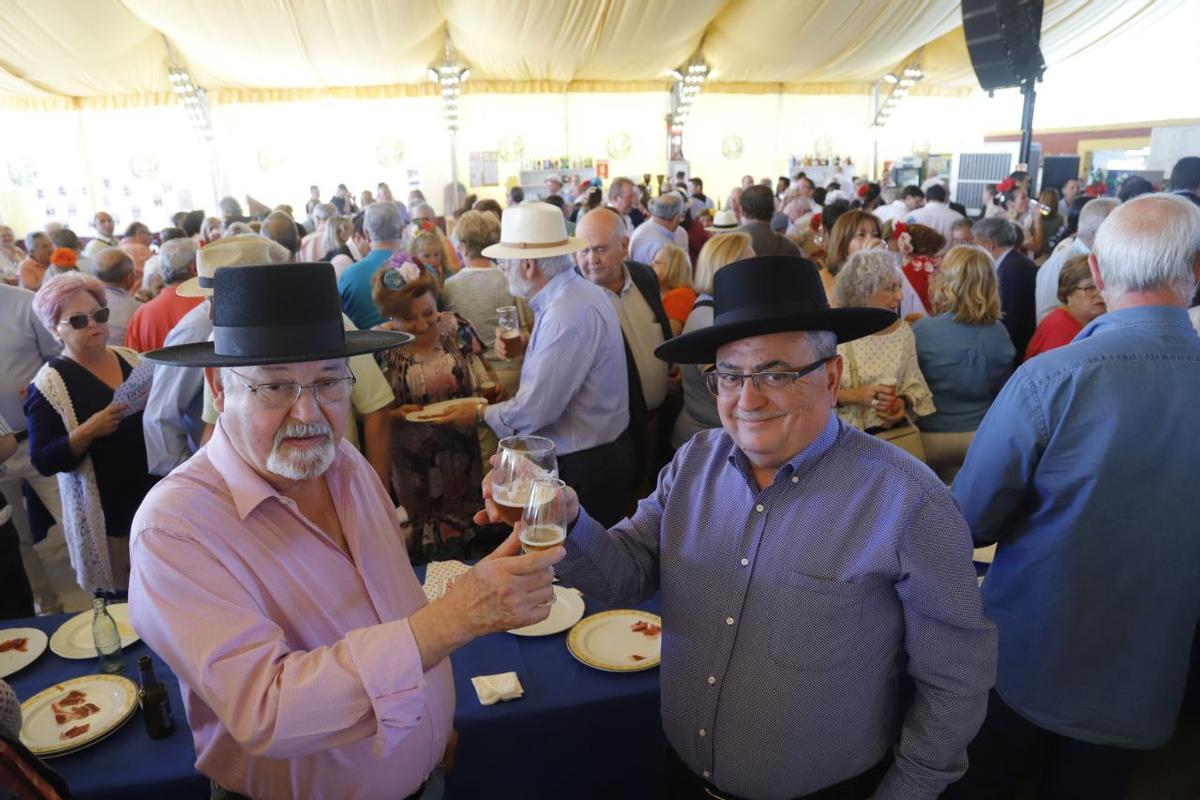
x: 1030, y: 94
x: 874, y: 131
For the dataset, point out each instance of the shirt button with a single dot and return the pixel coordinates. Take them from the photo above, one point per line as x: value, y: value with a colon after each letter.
x: 712, y: 679
x: 745, y: 562
x: 758, y: 507
x: 703, y: 732
x: 706, y: 774
x: 729, y: 620
x: 795, y: 479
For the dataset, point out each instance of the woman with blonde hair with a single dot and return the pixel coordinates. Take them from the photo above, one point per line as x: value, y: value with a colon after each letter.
x: 671, y: 266
x: 965, y: 354
x: 699, y: 406
x: 882, y: 388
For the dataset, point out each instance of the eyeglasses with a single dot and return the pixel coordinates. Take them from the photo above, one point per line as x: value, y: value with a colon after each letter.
x: 80, y: 321
x: 284, y: 395
x: 774, y: 381
x: 1088, y: 288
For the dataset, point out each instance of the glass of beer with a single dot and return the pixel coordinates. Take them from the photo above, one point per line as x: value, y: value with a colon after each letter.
x: 543, y: 522
x: 520, y: 460
x: 510, y: 328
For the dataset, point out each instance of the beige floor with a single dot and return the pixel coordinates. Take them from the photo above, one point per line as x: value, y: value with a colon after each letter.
x: 62, y: 577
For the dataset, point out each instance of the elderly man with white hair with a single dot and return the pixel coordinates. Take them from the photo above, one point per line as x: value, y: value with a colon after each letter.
x: 270, y: 573
x: 312, y: 246
x: 574, y: 385
x: 150, y: 324
x: 1081, y: 472
x: 663, y: 227
x: 1046, y: 292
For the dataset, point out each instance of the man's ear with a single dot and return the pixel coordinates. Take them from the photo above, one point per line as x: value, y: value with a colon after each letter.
x: 1094, y: 268
x: 833, y: 378
x: 213, y: 376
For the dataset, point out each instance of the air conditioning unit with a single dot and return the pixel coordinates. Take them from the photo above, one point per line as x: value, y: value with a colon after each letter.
x: 990, y: 162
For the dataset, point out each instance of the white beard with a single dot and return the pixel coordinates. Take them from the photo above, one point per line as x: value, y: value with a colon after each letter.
x: 301, y: 465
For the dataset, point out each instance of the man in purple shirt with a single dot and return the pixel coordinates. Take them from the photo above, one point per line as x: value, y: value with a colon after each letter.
x: 805, y: 568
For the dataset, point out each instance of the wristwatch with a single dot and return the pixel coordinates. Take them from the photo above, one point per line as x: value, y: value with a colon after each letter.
x: 479, y: 415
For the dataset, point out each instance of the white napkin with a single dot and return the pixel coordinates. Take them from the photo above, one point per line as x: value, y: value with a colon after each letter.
x: 492, y: 688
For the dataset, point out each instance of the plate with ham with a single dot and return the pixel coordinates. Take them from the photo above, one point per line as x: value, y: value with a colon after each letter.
x: 622, y: 640
x: 73, y: 639
x: 74, y: 714
x: 19, y: 647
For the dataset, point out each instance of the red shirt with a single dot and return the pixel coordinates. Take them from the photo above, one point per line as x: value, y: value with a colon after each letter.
x: 1057, y: 329
x: 150, y: 324
x: 919, y: 270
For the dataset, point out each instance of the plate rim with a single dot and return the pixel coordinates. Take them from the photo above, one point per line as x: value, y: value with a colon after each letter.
x: 577, y: 633
x: 60, y: 686
x: 410, y: 416
x: 62, y: 654
x: 45, y: 645
x: 582, y: 610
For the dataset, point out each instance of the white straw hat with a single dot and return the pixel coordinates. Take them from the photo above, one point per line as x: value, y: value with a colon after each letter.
x: 725, y: 220
x: 533, y: 230
x: 245, y: 250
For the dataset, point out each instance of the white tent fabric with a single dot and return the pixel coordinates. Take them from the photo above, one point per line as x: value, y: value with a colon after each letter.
x: 93, y: 49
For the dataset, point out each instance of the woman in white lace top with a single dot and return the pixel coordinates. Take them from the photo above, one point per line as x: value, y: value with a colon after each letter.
x: 876, y: 365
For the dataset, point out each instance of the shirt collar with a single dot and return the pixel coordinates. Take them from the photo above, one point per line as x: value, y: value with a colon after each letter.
x: 247, y: 488
x: 1137, y: 316
x: 1003, y: 255
x: 803, y: 460
x: 546, y: 295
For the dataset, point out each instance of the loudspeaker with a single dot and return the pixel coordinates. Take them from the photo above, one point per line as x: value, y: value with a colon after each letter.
x: 1004, y: 41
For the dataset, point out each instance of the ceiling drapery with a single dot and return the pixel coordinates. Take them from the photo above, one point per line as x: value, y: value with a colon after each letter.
x: 80, y: 50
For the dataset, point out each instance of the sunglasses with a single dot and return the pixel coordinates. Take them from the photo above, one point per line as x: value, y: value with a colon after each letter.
x: 80, y: 321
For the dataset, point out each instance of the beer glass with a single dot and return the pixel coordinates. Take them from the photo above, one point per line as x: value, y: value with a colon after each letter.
x: 510, y: 328
x: 544, y: 520
x: 520, y: 460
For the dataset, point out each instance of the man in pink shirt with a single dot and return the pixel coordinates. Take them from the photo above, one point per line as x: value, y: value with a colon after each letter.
x: 270, y: 573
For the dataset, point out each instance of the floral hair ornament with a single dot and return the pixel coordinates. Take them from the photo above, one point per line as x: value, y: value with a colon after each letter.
x: 815, y: 222
x: 64, y: 257
x: 898, y: 230
x: 396, y: 279
x: 862, y: 190
x: 1005, y: 186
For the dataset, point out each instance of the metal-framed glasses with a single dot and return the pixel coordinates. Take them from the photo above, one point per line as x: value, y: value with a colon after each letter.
x: 80, y: 321
x: 767, y: 381
x: 1089, y: 289
x: 284, y: 395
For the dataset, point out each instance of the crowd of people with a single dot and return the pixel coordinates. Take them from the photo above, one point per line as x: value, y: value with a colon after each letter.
x: 792, y: 416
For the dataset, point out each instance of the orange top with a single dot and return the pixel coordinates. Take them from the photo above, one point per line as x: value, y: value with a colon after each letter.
x: 678, y: 303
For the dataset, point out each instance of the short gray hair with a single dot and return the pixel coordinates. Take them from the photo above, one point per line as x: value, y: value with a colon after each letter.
x: 861, y: 276
x: 324, y: 211
x: 822, y: 343
x: 1000, y: 231
x: 383, y: 222
x: 618, y: 186
x: 1090, y: 217
x: 1150, y: 244
x: 174, y: 258
x: 31, y: 240
x: 667, y: 206
x: 549, y: 267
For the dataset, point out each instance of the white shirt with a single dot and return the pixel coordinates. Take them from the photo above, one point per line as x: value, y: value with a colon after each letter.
x: 896, y: 210
x: 939, y: 216
x: 643, y: 333
x: 1046, y: 294
x: 649, y: 238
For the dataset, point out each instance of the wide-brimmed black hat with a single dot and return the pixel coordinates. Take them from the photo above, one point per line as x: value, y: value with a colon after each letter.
x: 276, y: 314
x: 770, y: 294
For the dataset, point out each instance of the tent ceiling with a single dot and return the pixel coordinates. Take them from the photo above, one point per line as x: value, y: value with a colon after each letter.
x: 88, y: 48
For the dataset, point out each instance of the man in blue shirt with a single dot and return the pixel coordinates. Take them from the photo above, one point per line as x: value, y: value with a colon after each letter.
x: 1081, y: 472
x: 384, y: 225
x: 804, y: 568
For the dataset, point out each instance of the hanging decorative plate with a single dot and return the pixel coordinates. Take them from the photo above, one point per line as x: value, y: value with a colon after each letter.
x: 732, y: 146
x: 511, y: 148
x: 619, y: 145
x: 143, y: 166
x: 389, y: 152
x: 23, y: 172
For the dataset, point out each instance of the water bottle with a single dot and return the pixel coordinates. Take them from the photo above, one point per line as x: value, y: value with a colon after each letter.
x: 106, y: 637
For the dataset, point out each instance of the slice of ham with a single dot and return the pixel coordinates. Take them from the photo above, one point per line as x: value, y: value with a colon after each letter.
x: 18, y: 644
x: 71, y: 698
x: 78, y: 730
x: 651, y: 630
x: 638, y: 626
x: 636, y: 657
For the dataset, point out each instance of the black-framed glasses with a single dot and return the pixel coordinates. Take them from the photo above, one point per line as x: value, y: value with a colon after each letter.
x: 285, y: 394
x: 768, y: 381
x: 80, y: 321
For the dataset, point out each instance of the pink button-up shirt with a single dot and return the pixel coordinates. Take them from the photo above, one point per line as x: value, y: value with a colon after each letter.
x: 300, y: 674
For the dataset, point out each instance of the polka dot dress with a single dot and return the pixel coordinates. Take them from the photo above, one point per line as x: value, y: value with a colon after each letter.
x: 876, y: 358
x: 10, y: 712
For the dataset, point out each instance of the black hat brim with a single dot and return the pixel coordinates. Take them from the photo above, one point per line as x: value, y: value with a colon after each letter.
x: 202, y: 354
x: 848, y: 324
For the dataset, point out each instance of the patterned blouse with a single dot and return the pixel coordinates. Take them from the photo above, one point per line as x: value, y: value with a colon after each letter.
x: 877, y: 358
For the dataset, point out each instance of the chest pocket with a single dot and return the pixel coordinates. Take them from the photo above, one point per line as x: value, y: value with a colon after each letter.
x: 816, y: 622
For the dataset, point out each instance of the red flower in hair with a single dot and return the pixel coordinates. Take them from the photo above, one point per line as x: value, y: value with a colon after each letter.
x: 1096, y: 190
x: 898, y: 228
x: 1005, y: 186
x: 427, y: 225
x: 815, y: 222
x: 862, y: 190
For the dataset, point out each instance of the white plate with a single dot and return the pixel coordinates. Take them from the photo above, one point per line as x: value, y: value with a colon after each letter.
x: 437, y: 410
x: 15, y: 660
x: 604, y: 641
x: 566, y: 611
x: 117, y: 698
x: 73, y: 639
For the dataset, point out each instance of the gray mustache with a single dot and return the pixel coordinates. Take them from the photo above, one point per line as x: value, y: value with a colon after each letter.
x: 301, y: 430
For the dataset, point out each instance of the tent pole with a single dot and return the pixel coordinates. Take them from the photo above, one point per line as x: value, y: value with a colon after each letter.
x: 1030, y: 95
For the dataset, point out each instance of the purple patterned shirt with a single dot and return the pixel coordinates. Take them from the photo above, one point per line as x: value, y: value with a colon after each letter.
x: 790, y: 614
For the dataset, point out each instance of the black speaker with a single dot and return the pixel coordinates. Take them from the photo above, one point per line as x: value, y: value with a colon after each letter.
x: 1004, y: 41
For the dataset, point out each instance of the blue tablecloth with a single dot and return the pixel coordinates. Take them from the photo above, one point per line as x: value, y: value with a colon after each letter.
x: 576, y: 733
